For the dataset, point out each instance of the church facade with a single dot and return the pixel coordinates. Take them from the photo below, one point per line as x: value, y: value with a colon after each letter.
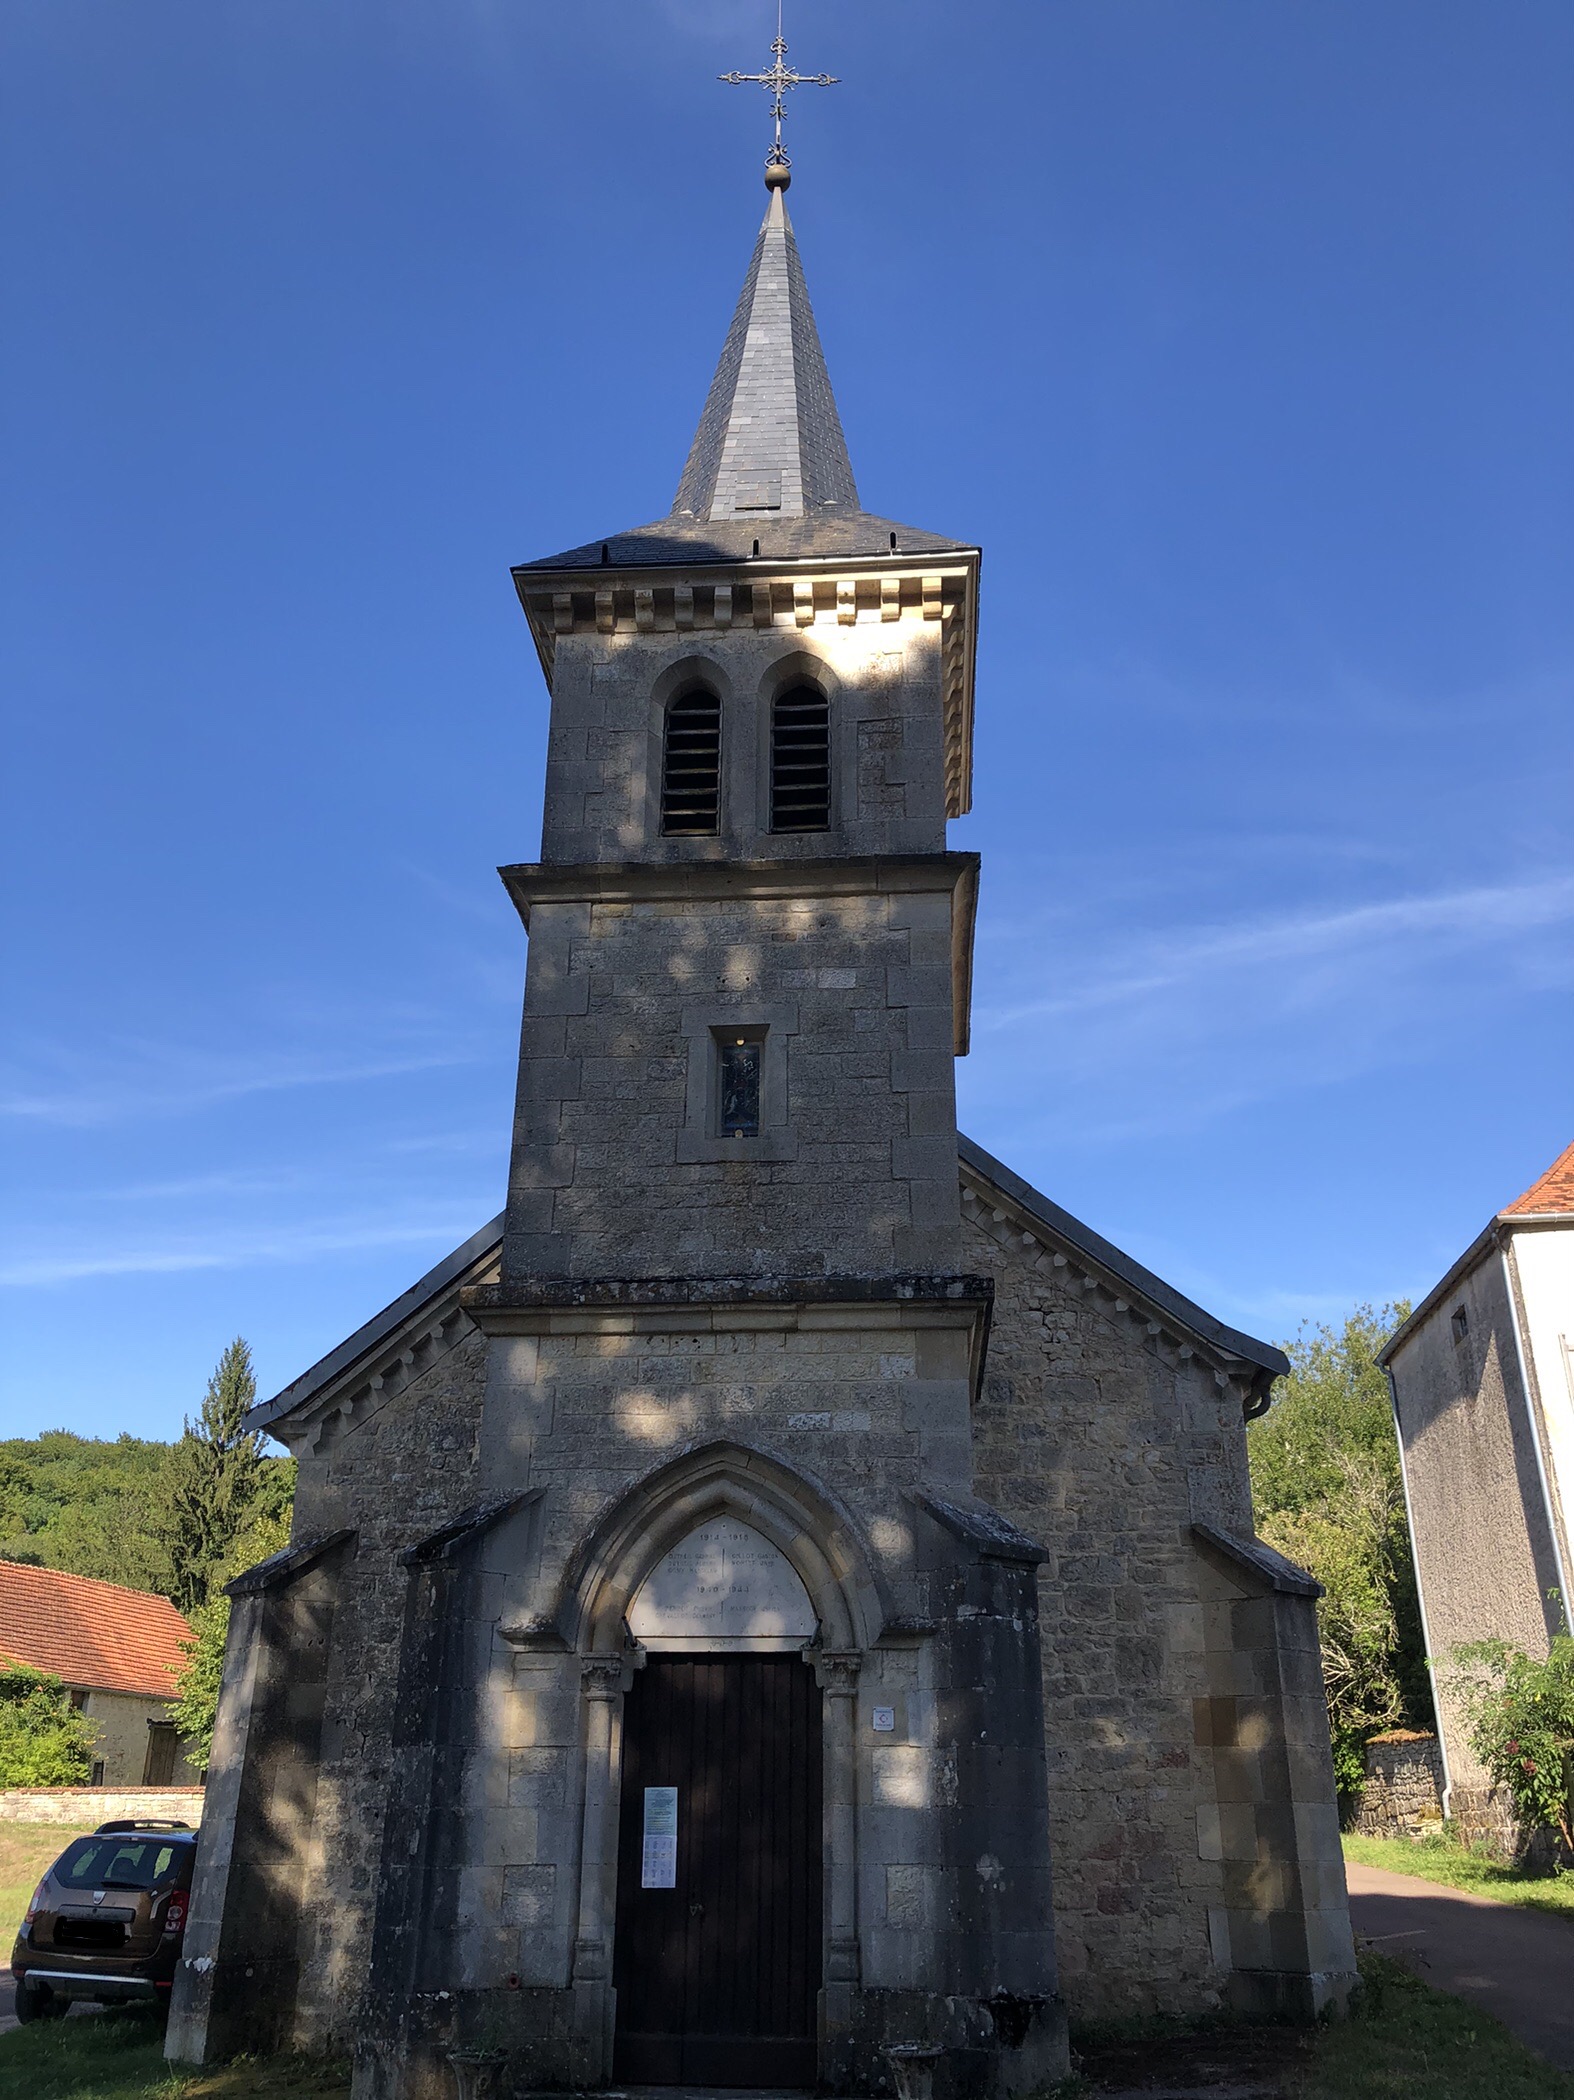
x: 784, y: 1591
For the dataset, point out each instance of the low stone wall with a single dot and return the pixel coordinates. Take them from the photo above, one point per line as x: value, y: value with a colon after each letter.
x: 98, y: 1804
x: 1403, y: 1796
x: 1483, y: 1818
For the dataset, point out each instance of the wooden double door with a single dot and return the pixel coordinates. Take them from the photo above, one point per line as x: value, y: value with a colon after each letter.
x: 718, y: 1942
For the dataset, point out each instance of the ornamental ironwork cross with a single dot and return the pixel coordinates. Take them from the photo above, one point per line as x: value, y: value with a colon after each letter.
x: 776, y: 83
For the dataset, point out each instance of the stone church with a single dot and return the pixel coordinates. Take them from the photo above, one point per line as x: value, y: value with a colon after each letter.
x: 784, y: 1591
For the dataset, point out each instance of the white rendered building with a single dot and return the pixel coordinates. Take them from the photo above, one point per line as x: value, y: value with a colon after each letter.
x: 1482, y: 1375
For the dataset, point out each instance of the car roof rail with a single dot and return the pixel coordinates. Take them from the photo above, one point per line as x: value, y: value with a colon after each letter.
x: 140, y: 1823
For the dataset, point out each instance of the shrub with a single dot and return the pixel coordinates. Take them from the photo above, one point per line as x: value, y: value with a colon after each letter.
x: 1521, y: 1715
x: 44, y: 1741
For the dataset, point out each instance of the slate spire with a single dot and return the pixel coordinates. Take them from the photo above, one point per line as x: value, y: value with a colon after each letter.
x: 768, y: 477
x: 770, y: 441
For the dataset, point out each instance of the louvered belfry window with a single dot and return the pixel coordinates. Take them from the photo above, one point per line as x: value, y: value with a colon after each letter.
x: 801, y: 761
x: 691, y: 767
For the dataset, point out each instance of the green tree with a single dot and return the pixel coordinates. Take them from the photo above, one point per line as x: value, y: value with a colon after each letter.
x: 214, y: 1478
x: 1329, y: 1493
x: 1521, y: 1716
x: 197, y: 1689
x: 196, y: 1704
x: 44, y: 1741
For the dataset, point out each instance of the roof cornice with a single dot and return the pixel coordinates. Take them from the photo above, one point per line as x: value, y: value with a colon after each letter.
x: 712, y: 881
x: 790, y: 596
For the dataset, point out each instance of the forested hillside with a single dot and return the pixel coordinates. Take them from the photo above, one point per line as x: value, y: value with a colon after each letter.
x: 85, y: 1505
x: 179, y: 1518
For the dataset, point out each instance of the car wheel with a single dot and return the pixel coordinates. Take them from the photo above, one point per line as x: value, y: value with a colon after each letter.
x: 36, y: 2001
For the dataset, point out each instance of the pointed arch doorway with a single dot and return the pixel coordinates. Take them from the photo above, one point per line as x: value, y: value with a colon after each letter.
x: 718, y: 1944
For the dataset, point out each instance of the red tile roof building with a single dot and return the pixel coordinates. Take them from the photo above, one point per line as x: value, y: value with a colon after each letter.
x: 1551, y: 1196
x: 92, y: 1635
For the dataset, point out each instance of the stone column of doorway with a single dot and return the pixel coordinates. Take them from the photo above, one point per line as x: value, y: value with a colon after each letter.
x: 836, y: 1672
x: 605, y: 1679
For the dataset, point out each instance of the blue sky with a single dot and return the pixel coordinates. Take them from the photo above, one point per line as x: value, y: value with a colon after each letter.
x: 1237, y: 334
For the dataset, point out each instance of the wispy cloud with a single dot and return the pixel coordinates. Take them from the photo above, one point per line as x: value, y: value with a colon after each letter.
x: 285, y: 1244
x: 141, y: 1079
x: 1123, y: 1036
x: 1344, y: 937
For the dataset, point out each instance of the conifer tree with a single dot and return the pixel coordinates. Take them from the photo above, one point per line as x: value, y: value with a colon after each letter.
x: 215, y: 1474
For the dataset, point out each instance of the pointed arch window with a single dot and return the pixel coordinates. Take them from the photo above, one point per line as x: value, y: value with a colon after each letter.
x: 691, y: 767
x: 801, y: 760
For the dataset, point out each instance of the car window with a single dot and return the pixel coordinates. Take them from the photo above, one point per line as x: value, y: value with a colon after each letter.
x: 119, y: 1862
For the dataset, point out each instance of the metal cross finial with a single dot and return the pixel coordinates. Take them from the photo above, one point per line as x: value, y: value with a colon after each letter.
x: 776, y: 82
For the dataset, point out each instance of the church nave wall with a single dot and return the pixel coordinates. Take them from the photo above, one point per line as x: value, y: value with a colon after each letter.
x: 394, y: 1476
x: 1085, y: 1437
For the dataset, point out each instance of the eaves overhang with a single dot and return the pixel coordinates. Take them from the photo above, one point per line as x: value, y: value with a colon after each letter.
x: 378, y: 1332
x: 1488, y: 1241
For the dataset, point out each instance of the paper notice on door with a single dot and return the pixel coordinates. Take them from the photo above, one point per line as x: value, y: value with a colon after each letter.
x: 659, y: 1865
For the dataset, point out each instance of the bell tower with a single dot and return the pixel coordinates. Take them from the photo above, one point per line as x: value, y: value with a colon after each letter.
x: 749, y: 947
x: 732, y: 1315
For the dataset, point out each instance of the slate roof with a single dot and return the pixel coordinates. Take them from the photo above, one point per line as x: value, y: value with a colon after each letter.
x: 1551, y: 1195
x: 769, y: 462
x: 91, y: 1634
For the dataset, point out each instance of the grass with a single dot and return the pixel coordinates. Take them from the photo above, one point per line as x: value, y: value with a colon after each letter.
x: 26, y: 1849
x: 1406, y: 2039
x: 120, y: 2056
x: 1402, y: 2041
x: 1444, y: 1859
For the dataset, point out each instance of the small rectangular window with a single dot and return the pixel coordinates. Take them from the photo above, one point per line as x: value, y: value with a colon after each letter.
x: 1459, y: 1320
x: 740, y: 1054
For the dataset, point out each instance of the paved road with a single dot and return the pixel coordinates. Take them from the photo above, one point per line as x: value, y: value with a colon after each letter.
x: 1515, y: 1964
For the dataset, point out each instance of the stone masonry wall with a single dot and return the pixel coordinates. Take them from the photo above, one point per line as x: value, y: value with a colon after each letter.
x: 1088, y: 1439
x: 402, y: 1471
x: 1485, y: 1556
x: 615, y: 1171
x: 864, y: 1405
x: 861, y: 1400
x: 609, y: 695
x: 1403, y: 1795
